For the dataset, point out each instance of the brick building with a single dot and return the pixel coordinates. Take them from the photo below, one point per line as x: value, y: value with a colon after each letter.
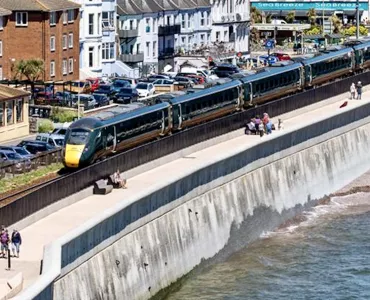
x: 40, y: 29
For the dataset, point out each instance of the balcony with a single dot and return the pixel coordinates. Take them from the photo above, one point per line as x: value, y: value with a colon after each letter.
x: 166, y: 53
x: 231, y: 18
x: 169, y: 30
x: 132, y: 58
x: 128, y: 33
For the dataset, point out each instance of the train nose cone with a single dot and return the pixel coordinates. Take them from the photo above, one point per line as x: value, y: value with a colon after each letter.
x: 73, y: 155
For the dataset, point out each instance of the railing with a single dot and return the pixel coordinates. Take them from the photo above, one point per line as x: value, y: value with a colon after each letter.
x: 44, y: 111
x: 166, y: 52
x: 231, y: 18
x: 128, y: 33
x: 132, y: 58
x: 169, y: 30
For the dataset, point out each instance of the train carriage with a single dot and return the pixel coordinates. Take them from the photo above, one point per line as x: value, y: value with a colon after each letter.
x: 272, y: 84
x: 362, y: 56
x: 326, y: 67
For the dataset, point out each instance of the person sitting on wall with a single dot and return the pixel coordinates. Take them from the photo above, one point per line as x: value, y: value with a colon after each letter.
x: 250, y: 128
x: 117, y: 179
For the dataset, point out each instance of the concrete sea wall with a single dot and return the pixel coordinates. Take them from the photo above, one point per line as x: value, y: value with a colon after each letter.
x: 144, y: 244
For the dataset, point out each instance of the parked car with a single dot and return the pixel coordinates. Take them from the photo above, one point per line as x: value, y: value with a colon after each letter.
x: 88, y: 101
x: 63, y: 98
x: 225, y: 70
x: 199, y: 79
x: 186, y: 81
x: 120, y: 84
x: 126, y: 95
x: 268, y: 59
x: 55, y: 140
x: 101, y: 99
x: 94, y: 82
x: 154, y: 77
x: 19, y: 150
x: 79, y: 87
x: 133, y: 82
x: 145, y: 89
x: 106, y: 89
x: 36, y: 147
x: 281, y: 56
x: 10, y: 156
x: 163, y: 82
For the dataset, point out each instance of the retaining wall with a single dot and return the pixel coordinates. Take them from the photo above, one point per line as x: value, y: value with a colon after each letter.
x: 78, y: 254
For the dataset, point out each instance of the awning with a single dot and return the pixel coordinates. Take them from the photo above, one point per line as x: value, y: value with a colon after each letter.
x: 334, y: 36
x: 313, y: 36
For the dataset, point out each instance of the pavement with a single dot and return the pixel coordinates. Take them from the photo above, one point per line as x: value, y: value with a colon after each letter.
x: 57, y: 224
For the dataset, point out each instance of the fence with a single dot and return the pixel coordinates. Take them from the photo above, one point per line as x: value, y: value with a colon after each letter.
x: 72, y: 183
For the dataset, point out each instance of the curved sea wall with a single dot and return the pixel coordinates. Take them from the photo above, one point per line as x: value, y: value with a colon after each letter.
x: 145, y: 244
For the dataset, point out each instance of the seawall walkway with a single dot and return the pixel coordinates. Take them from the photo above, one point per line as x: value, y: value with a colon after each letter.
x: 57, y: 224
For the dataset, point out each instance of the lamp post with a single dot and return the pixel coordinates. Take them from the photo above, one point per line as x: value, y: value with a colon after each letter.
x: 357, y: 20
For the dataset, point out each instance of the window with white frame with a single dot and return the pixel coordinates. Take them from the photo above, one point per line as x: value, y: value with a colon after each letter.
x: 70, y: 40
x: 108, y: 19
x: 91, y: 57
x: 108, y: 51
x: 52, y: 68
x: 154, y: 48
x: 91, y: 24
x: 147, y: 27
x: 202, y: 19
x: 1, y: 48
x: 71, y: 16
x: 70, y: 65
x: 64, y: 67
x: 21, y: 18
x: 147, y: 48
x: 189, y: 20
x: 53, y: 18
x: 64, y: 41
x: 1, y: 23
x: 65, y: 17
x: 182, y: 18
x: 52, y: 43
x: 208, y: 19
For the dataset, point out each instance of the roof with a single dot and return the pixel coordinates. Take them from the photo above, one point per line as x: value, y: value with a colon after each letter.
x: 313, y: 36
x: 4, y: 12
x: 210, y: 91
x: 38, y: 5
x: 7, y: 92
x: 327, y: 56
x: 271, y: 72
x: 362, y: 46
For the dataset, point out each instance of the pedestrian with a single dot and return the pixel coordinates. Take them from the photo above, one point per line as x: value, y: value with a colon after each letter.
x: 117, y: 179
x: 359, y: 90
x: 4, y: 240
x: 265, y: 119
x: 257, y: 122
x: 353, y: 91
x: 261, y: 129
x: 16, y: 242
x: 250, y: 128
x: 280, y: 124
x: 268, y: 127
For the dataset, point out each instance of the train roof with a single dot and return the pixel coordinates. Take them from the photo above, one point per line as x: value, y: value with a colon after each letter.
x: 362, y: 46
x: 135, y: 113
x: 117, y: 110
x: 87, y: 123
x: 205, y: 92
x: 327, y: 56
x: 271, y: 72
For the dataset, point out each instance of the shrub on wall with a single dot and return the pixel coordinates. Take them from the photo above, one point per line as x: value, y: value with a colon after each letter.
x: 45, y: 126
x: 60, y: 115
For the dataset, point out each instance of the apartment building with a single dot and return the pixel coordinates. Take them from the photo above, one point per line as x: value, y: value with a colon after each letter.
x: 40, y: 29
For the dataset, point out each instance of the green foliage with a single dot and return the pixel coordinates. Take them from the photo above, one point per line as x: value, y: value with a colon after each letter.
x: 31, y: 69
x: 313, y: 30
x: 256, y: 15
x: 311, y: 14
x: 45, y: 126
x: 337, y: 23
x: 351, y: 31
x: 60, y: 115
x: 290, y: 17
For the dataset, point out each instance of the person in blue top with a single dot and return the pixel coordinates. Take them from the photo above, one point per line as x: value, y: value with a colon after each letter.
x: 16, y: 242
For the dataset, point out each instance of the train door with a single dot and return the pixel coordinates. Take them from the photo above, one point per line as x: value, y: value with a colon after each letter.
x: 163, y: 123
x: 111, y: 138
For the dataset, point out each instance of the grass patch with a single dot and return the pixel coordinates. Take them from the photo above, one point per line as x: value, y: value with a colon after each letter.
x: 27, y: 179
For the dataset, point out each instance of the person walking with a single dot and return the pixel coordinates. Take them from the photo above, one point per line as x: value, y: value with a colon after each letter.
x: 16, y: 243
x: 4, y: 240
x: 359, y: 90
x: 352, y: 91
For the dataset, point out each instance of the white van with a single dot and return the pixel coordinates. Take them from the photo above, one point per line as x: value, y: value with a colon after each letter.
x: 202, y: 72
x: 55, y: 140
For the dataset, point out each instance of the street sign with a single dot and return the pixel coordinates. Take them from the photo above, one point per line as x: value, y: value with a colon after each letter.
x: 269, y: 44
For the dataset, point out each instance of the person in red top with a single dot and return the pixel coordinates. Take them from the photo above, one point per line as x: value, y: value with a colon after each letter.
x: 265, y: 119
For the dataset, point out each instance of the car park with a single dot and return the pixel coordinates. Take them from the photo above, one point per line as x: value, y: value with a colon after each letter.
x: 126, y: 95
x: 185, y: 81
x: 63, y: 98
x: 94, y: 82
x: 36, y: 147
x: 225, y: 70
x: 154, y: 77
x: 120, y: 84
x: 11, y: 156
x: 101, y: 99
x: 79, y: 87
x: 88, y: 101
x: 106, y: 89
x: 199, y: 79
x: 163, y: 82
x: 145, y: 89
x: 55, y: 140
x: 133, y: 82
x: 19, y: 150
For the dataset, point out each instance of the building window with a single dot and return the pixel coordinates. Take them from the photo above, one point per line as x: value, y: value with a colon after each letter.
x: 53, y: 18
x: 202, y: 38
x: 99, y: 24
x: 168, y: 20
x: 108, y: 19
x: 52, y: 68
x: 202, y: 19
x: 1, y: 72
x: 108, y: 51
x: 64, y: 41
x: 52, y: 43
x: 1, y: 23
x: 65, y: 17
x: 70, y: 65
x: 64, y: 67
x: 209, y: 19
x: 91, y: 57
x: 1, y: 48
x: 189, y: 20
x: 218, y: 33
x: 147, y: 29
x: 21, y: 18
x: 19, y: 109
x: 147, y: 48
x: 71, y: 16
x: 154, y: 49
x: 10, y: 112
x: 182, y: 17
x: 91, y: 24
x: 183, y: 41
x: 70, y: 40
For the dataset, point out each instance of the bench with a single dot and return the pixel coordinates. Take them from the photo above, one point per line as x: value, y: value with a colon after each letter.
x: 102, y: 188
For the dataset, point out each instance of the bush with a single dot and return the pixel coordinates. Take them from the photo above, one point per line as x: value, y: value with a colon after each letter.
x: 60, y: 115
x: 313, y: 30
x: 351, y: 31
x: 45, y: 126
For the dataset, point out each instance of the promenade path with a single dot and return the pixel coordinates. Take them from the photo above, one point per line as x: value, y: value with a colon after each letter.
x: 57, y: 224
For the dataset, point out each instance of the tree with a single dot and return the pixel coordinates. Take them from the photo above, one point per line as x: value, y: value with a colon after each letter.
x: 31, y: 69
x: 256, y: 15
x: 290, y: 17
x: 311, y: 14
x: 337, y: 23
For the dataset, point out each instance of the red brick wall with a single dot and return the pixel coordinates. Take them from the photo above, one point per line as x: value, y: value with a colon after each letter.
x: 33, y: 41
